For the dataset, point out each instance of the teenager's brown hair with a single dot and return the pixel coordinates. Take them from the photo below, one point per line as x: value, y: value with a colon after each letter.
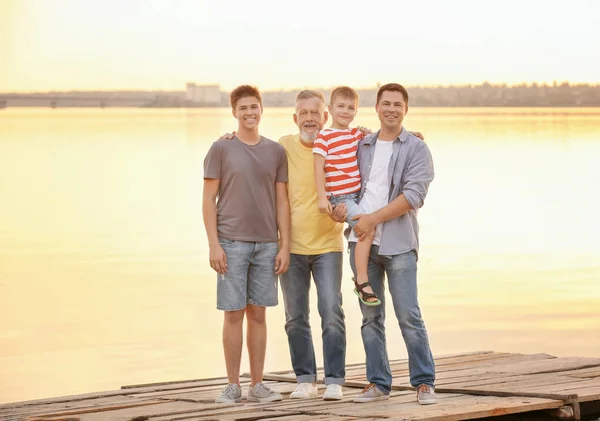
x: 244, y: 91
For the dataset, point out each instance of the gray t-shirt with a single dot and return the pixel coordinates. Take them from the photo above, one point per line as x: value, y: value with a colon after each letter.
x: 247, y: 173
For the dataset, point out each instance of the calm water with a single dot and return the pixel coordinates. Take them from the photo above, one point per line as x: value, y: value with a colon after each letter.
x: 104, y: 279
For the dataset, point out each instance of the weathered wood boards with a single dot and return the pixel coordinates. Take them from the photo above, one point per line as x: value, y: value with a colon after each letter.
x: 474, y: 385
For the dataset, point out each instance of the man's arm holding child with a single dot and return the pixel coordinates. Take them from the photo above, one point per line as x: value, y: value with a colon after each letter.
x: 418, y: 176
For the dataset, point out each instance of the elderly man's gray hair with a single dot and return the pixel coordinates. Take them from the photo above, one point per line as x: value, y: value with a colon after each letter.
x: 307, y: 94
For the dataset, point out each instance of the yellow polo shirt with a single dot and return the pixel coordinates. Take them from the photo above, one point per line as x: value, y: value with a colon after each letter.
x: 313, y: 232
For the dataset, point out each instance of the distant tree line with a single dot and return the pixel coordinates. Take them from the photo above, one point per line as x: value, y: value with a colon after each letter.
x: 488, y: 95
x: 484, y: 95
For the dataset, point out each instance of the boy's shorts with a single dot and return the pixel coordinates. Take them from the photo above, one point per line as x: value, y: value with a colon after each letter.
x: 250, y: 276
x: 352, y: 206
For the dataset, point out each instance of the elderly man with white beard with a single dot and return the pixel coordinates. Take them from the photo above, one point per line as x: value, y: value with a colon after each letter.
x: 316, y: 249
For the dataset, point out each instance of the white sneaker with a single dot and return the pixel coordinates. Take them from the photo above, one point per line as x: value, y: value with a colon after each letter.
x: 333, y: 393
x: 305, y: 390
x: 371, y: 393
x: 426, y: 395
x: 231, y: 394
x: 262, y: 393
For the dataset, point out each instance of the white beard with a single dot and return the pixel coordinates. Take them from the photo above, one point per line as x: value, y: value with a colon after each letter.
x: 307, y: 138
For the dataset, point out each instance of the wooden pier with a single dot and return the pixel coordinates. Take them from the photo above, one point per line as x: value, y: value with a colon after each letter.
x: 469, y: 386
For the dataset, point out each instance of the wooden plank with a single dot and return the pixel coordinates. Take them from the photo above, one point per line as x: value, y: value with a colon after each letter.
x: 534, y: 385
x: 590, y: 394
x: 546, y: 366
x: 234, y: 411
x: 564, y: 397
x: 93, y: 409
x: 214, y: 406
x: 110, y: 393
x: 463, y: 354
x: 257, y: 414
x: 497, y: 387
x: 586, y: 373
x: 517, y: 383
x: 501, y: 378
x: 163, y: 409
x: 85, y: 404
x: 479, y: 407
x: 284, y: 388
x: 84, y: 396
x: 465, y: 368
x: 504, y: 371
x: 401, y: 360
x: 288, y: 375
x: 304, y: 404
x: 168, y: 393
x: 9, y: 416
x: 470, y: 368
x: 471, y: 407
x: 571, y: 387
x: 70, y: 398
x: 201, y: 382
x: 466, y: 406
x: 167, y: 387
x: 402, y: 365
x: 347, y: 406
x: 487, y: 378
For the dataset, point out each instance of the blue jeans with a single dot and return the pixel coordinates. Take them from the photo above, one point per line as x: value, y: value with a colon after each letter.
x: 326, y: 271
x: 250, y: 276
x: 401, y: 271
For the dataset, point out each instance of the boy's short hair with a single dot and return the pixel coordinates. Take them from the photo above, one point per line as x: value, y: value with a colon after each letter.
x: 393, y: 87
x: 345, y: 92
x: 244, y: 91
x: 307, y: 94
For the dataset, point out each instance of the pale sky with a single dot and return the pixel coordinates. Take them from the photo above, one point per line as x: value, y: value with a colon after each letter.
x: 162, y: 44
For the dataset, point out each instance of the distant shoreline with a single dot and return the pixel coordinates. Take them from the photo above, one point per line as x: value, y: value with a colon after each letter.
x: 200, y: 96
x: 292, y: 106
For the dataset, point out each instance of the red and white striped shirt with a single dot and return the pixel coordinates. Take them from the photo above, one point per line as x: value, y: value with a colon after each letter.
x: 341, y: 166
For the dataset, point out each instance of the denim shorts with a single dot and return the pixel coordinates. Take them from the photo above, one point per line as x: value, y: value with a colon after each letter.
x: 250, y: 276
x: 352, y: 206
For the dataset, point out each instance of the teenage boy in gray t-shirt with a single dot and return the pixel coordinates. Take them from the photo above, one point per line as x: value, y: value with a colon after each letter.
x: 248, y: 175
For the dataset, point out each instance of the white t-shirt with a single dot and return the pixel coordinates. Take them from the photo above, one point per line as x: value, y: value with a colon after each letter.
x: 377, y: 185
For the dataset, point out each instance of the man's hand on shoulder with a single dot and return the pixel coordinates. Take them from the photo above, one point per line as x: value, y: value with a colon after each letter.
x: 227, y: 136
x: 418, y: 134
x: 364, y: 130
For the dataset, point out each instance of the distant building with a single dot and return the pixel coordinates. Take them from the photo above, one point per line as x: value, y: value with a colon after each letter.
x: 203, y: 95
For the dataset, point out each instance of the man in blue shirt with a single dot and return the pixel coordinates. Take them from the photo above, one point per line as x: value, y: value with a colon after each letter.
x: 396, y: 169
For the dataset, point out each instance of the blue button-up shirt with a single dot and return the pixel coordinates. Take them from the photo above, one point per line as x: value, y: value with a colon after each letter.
x: 409, y: 172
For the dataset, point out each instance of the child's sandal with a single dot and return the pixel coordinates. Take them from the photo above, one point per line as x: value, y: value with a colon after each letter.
x: 364, y: 296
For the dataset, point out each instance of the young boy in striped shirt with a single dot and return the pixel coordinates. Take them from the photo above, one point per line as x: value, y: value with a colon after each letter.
x: 338, y: 180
